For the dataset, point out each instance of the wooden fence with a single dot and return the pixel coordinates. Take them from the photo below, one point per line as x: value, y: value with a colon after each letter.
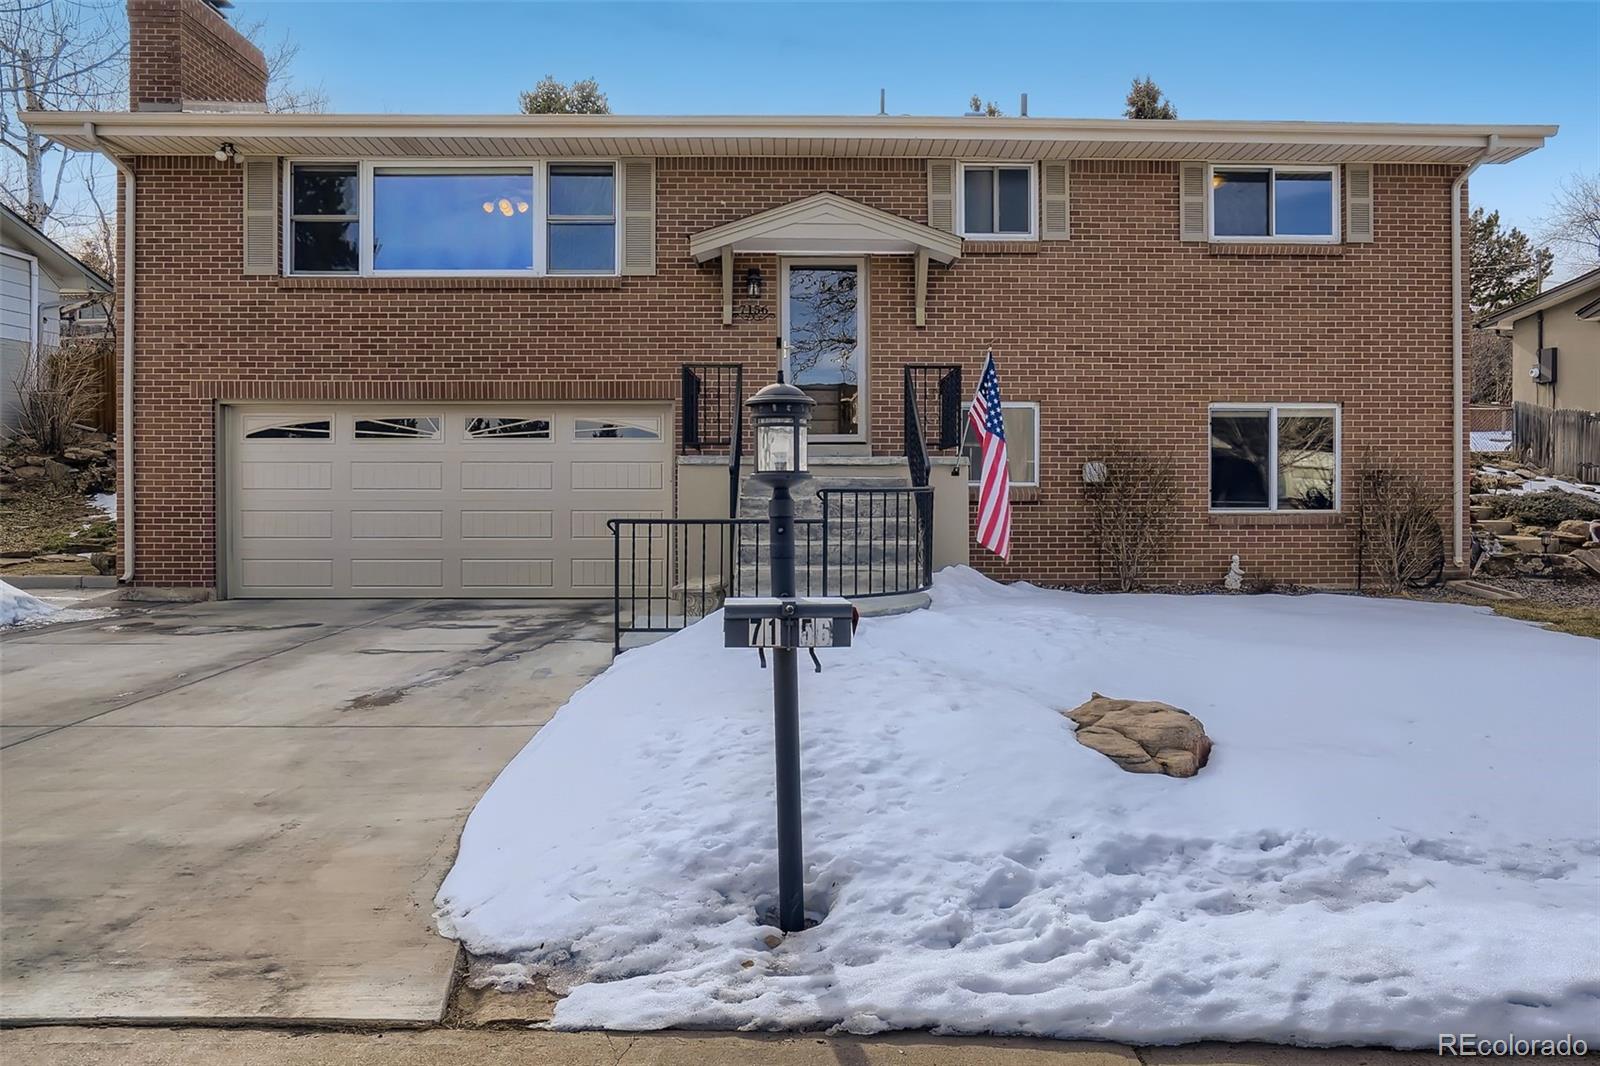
x: 1566, y: 443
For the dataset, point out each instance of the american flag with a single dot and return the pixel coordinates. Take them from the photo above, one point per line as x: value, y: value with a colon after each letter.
x: 994, y: 481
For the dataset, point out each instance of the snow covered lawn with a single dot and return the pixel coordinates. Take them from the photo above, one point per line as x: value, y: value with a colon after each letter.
x: 1396, y: 836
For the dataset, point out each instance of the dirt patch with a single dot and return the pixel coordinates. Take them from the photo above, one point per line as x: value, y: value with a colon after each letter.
x: 45, y: 519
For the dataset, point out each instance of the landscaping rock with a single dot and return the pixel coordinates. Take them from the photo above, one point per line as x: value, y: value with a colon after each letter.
x: 103, y: 562
x: 1498, y: 526
x: 1528, y: 545
x: 1143, y: 736
x: 1587, y: 558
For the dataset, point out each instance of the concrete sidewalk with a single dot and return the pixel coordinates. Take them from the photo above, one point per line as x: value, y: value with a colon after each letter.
x: 240, y: 811
x: 500, y: 1047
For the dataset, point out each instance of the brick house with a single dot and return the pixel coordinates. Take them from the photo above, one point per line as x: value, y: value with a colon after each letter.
x: 429, y: 355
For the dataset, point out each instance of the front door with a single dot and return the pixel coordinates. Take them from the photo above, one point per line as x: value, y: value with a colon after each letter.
x: 824, y: 342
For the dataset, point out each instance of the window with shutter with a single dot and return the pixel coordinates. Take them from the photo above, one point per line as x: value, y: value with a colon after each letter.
x: 639, y: 216
x: 942, y: 194
x: 1192, y: 202
x: 1057, y: 220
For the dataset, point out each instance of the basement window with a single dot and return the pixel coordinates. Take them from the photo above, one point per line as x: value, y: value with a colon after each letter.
x: 997, y: 202
x: 1274, y: 457
x: 1274, y: 203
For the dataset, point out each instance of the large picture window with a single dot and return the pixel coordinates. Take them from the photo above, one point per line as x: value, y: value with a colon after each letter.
x: 435, y: 219
x: 1274, y: 457
x: 1270, y: 203
x: 997, y: 202
x: 1022, y: 444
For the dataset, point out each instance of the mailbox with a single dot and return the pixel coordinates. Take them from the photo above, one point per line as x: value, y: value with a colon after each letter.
x: 797, y: 622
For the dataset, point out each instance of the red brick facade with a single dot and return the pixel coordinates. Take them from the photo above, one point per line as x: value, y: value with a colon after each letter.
x: 182, y: 50
x: 1122, y: 334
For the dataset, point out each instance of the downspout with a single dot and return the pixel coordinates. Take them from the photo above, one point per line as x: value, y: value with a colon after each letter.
x: 1457, y: 324
x: 125, y: 420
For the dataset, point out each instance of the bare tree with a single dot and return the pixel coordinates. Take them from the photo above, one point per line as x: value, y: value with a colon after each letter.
x: 988, y: 109
x: 58, y: 388
x: 1132, y: 507
x: 1573, y: 225
x: 55, y: 55
x: 1402, y: 544
x: 284, y: 94
x: 1489, y: 366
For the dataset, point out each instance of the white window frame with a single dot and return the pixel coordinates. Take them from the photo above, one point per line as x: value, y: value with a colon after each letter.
x: 538, y: 215
x: 1272, y: 410
x: 992, y: 164
x: 1272, y: 236
x: 1038, y: 442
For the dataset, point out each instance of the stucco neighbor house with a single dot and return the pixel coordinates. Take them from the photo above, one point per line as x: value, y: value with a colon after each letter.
x: 435, y: 355
x: 39, y: 279
x: 1555, y: 375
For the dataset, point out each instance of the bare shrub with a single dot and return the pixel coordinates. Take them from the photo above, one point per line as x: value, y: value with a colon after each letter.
x: 1489, y: 367
x: 58, y: 389
x: 1401, y: 543
x: 1133, y: 508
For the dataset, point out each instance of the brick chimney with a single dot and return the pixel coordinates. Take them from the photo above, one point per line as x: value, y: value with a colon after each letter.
x: 183, y: 56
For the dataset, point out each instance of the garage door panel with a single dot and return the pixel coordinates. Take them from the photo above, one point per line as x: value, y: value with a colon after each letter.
x: 286, y: 476
x: 479, y: 475
x: 396, y: 525
x: 396, y: 476
x: 502, y: 525
x: 519, y: 511
x: 617, y: 475
x: 507, y: 574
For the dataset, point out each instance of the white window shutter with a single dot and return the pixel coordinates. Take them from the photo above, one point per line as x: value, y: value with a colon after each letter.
x: 1192, y: 202
x: 942, y: 194
x: 639, y: 216
x: 1057, y: 220
x: 260, y: 215
x: 1358, y: 203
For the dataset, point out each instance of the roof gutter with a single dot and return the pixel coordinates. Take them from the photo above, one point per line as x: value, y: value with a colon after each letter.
x: 125, y: 422
x: 1457, y: 325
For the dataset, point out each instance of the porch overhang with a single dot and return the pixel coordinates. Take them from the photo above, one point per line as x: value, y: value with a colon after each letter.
x: 825, y: 224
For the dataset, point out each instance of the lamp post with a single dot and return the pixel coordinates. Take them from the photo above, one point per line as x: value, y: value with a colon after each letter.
x: 780, y: 414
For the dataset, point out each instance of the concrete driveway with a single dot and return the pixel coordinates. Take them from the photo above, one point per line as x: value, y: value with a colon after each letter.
x: 241, y: 810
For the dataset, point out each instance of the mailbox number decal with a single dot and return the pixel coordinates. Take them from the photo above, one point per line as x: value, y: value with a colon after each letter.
x: 814, y: 633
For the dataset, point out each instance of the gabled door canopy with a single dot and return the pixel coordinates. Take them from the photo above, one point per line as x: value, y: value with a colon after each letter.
x: 825, y: 224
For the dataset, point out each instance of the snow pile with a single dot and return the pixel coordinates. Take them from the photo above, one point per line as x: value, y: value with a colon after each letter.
x: 105, y: 503
x: 1544, y: 483
x: 1491, y: 440
x: 17, y: 607
x: 1387, y: 844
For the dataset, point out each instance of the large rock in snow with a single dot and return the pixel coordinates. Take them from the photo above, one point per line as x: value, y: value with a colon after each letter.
x: 1143, y: 736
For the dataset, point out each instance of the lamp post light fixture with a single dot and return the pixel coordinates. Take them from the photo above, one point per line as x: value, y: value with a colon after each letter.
x: 780, y: 413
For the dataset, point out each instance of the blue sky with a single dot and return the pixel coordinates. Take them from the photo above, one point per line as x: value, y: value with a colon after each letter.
x: 1417, y: 62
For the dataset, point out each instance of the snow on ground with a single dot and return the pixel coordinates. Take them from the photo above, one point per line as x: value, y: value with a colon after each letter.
x: 105, y: 503
x: 1492, y: 440
x: 1396, y: 836
x: 1544, y: 484
x: 18, y: 607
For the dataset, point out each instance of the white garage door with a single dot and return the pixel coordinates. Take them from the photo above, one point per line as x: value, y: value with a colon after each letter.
x: 436, y: 500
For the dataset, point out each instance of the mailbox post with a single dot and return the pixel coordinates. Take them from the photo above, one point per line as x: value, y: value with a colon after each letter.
x: 784, y: 622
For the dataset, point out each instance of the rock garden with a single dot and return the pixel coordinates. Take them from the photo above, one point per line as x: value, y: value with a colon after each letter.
x: 58, y: 511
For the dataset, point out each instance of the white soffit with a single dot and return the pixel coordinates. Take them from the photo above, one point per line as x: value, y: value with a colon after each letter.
x: 826, y: 223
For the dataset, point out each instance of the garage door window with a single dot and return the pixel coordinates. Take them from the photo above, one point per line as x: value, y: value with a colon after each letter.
x: 504, y: 428
x: 313, y: 429
x: 619, y: 429
x: 402, y: 428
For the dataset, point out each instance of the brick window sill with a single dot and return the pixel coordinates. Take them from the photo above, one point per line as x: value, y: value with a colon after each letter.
x: 369, y: 284
x: 1271, y: 249
x: 1274, y: 518
x: 971, y: 247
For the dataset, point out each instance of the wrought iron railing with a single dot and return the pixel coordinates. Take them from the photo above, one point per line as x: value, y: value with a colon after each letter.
x: 932, y: 414
x: 713, y: 416
x: 670, y: 572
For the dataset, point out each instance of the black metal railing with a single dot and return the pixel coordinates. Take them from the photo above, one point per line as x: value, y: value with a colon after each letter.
x: 932, y: 412
x: 670, y: 572
x: 876, y: 542
x: 713, y: 416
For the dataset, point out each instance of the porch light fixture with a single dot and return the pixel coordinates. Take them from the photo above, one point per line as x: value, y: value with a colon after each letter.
x: 780, y: 413
x: 752, y: 282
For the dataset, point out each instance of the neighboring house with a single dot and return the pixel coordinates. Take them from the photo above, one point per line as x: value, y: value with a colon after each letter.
x: 1555, y: 376
x: 39, y: 280
x: 431, y: 355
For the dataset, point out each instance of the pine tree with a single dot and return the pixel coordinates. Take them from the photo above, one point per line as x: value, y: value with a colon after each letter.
x: 1506, y: 265
x: 1145, y: 101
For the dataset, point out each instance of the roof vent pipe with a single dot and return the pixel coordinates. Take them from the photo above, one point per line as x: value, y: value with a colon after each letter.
x: 1024, y: 111
x: 883, y: 101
